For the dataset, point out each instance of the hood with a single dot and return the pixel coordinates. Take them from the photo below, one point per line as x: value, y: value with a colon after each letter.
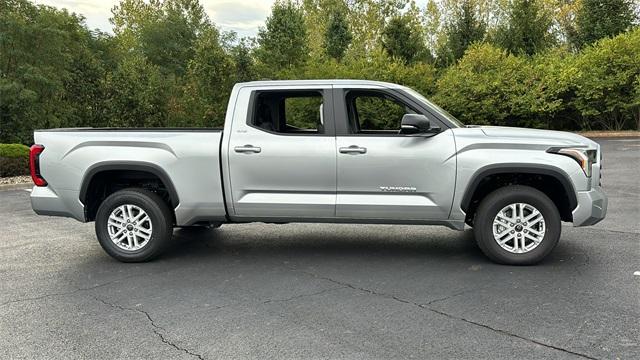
x: 549, y: 137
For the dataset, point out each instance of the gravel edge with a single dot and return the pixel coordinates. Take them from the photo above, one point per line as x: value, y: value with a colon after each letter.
x: 610, y: 134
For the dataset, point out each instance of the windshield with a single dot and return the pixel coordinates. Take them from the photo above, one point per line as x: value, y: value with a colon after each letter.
x: 433, y: 106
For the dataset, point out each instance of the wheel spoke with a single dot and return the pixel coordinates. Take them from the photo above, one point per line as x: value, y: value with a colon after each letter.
x: 538, y: 233
x: 117, y: 233
x: 504, y: 240
x: 534, y: 239
x: 142, y: 218
x: 514, y: 213
x: 533, y: 214
x: 117, y: 225
x: 123, y: 212
x: 505, y: 231
x: 121, y: 238
x: 113, y: 217
x: 503, y: 218
x: 535, y: 221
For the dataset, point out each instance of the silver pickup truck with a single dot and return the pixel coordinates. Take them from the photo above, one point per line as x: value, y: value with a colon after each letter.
x: 331, y: 151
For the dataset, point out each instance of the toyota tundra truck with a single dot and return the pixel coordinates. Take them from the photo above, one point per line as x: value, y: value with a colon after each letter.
x: 322, y: 151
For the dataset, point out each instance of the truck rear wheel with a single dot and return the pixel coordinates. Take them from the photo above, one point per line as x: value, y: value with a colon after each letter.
x: 134, y: 225
x: 517, y: 225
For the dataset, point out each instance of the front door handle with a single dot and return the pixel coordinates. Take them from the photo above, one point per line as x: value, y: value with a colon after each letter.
x: 247, y: 149
x: 353, y: 149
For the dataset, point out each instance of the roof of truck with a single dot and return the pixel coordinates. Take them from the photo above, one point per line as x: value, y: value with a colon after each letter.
x: 342, y: 82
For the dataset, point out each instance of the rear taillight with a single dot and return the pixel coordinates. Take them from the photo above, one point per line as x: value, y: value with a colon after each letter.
x: 34, y: 165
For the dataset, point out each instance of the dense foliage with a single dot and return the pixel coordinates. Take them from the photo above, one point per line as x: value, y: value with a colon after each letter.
x: 562, y: 64
x: 14, y: 159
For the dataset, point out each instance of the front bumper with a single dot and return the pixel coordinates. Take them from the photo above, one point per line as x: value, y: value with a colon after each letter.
x: 592, y: 207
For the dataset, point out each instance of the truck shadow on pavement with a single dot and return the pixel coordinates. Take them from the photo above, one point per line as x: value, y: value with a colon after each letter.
x: 335, y: 242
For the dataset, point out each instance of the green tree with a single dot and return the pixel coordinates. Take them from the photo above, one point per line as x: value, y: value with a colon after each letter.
x: 136, y: 94
x: 368, y: 19
x: 209, y: 82
x: 165, y: 32
x: 242, y: 54
x: 338, y: 35
x: 527, y: 28
x: 597, y: 19
x: 283, y: 40
x: 50, y: 70
x: 400, y: 41
x: 465, y: 29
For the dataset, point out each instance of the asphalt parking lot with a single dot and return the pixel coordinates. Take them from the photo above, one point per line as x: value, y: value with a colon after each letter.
x: 314, y: 291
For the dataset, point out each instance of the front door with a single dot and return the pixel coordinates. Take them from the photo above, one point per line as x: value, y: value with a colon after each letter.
x: 386, y: 175
x: 282, y: 161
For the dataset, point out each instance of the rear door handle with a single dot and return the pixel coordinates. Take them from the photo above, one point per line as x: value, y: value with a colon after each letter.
x: 247, y: 149
x: 353, y: 149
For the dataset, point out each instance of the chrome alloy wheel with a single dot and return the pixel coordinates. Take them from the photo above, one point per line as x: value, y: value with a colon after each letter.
x: 129, y: 227
x: 519, y: 228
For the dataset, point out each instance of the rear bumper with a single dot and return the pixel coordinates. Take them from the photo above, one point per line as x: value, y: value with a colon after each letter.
x: 592, y: 207
x: 45, y: 201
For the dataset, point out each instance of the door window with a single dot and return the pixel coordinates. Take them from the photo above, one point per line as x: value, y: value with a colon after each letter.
x: 375, y: 112
x: 289, y: 112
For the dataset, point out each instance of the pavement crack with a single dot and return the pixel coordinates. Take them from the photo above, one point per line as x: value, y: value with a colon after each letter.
x: 157, y: 329
x: 613, y: 231
x: 428, y: 307
x: 303, y: 295
x: 510, y: 334
x: 449, y: 296
x: 89, y: 288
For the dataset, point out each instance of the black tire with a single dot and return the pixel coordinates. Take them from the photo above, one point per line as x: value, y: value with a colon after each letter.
x: 493, y: 203
x: 156, y: 209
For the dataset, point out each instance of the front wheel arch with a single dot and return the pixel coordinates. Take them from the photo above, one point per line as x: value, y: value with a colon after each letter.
x: 551, y: 181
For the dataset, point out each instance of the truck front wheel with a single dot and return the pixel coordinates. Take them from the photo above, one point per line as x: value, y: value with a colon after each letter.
x: 134, y: 225
x: 517, y: 225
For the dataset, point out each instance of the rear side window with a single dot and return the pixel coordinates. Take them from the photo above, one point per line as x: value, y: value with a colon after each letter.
x: 288, y: 112
x: 375, y: 112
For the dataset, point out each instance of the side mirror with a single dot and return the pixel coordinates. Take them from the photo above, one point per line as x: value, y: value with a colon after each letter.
x: 415, y: 124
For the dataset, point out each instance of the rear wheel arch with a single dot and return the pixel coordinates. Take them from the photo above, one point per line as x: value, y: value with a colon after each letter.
x: 552, y: 181
x: 95, y: 186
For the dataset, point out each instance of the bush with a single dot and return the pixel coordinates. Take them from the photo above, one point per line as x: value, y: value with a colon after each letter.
x: 14, y: 160
x: 489, y: 86
x: 605, y: 82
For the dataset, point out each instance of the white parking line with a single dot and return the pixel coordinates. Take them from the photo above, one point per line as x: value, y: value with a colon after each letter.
x: 27, y: 190
x: 637, y: 273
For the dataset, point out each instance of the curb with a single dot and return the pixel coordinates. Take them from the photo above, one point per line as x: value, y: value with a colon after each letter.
x: 22, y: 186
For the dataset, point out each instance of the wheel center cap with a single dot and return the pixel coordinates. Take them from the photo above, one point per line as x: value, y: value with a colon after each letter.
x: 129, y: 227
x: 519, y: 228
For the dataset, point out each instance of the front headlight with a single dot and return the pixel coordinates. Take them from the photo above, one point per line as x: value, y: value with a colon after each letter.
x: 583, y: 156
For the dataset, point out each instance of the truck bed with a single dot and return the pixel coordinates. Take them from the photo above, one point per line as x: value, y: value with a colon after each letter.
x: 189, y: 159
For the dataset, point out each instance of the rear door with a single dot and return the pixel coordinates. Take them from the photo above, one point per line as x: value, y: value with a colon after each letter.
x: 282, y: 154
x: 386, y: 175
